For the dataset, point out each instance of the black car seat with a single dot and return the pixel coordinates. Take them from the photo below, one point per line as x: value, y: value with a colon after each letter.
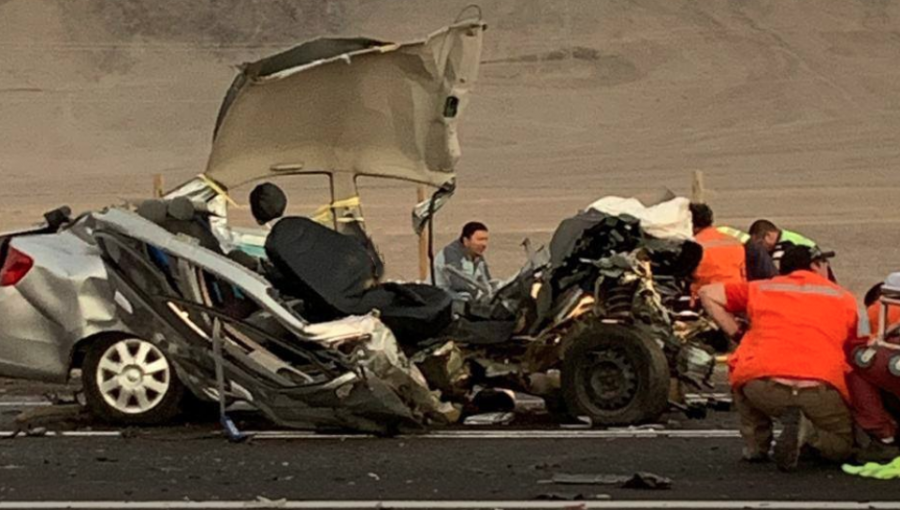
x: 336, y: 276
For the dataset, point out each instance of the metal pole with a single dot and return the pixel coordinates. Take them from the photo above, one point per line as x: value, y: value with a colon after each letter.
x: 424, y: 264
x: 231, y: 430
x: 158, y: 185
x: 698, y: 188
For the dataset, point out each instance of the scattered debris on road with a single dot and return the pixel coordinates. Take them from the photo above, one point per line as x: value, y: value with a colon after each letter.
x: 37, y: 421
x: 566, y: 496
x: 639, y: 480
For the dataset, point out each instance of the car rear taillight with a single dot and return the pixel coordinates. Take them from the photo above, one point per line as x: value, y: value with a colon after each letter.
x: 15, y: 267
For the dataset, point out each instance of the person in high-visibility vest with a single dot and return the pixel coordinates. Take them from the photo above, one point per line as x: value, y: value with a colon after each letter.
x: 763, y: 245
x: 723, y: 255
x: 791, y: 362
x: 740, y: 235
x: 789, y: 236
x: 783, y: 235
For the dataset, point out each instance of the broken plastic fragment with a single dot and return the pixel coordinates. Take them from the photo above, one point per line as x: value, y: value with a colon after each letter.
x: 639, y: 480
x: 489, y: 419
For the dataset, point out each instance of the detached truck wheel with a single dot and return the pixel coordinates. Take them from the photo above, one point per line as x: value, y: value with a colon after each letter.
x: 130, y: 381
x: 614, y: 375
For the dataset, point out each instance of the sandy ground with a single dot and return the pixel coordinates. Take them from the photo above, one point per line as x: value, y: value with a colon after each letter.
x: 791, y: 108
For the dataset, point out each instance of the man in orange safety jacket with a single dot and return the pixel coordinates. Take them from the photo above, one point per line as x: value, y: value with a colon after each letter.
x: 723, y: 259
x: 791, y: 363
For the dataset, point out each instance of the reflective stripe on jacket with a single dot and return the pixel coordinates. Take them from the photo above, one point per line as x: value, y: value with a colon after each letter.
x: 741, y: 236
x: 723, y: 259
x: 800, y: 325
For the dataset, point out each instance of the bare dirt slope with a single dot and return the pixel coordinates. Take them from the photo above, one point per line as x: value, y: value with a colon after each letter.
x: 792, y: 108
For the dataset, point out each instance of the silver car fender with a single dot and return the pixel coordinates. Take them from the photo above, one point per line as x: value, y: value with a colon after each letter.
x: 63, y: 300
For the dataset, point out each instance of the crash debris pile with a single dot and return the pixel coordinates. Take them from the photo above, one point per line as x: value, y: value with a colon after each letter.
x: 602, y: 270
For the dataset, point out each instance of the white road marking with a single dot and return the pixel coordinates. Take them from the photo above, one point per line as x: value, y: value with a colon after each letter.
x: 516, y: 434
x: 453, y: 505
x: 68, y: 433
x: 26, y: 403
x: 454, y: 434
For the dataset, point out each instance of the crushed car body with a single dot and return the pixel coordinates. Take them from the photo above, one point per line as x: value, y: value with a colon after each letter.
x: 349, y: 373
x: 603, y: 328
x: 602, y: 319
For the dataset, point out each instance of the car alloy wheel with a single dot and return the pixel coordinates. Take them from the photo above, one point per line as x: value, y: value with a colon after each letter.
x: 133, y: 376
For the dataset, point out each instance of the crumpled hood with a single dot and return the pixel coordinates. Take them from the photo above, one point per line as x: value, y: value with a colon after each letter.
x: 350, y: 106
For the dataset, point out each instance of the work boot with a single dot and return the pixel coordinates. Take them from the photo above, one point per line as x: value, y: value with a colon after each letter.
x: 877, y: 450
x: 787, y: 447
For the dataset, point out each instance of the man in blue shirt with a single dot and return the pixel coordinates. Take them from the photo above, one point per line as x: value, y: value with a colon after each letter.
x: 463, y: 260
x: 764, y: 237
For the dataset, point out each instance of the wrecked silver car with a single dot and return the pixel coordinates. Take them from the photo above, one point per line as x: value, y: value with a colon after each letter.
x: 338, y: 107
x: 602, y: 320
x: 208, y: 313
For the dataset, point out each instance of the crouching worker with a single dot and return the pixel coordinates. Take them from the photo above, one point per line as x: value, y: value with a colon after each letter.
x: 790, y: 365
x: 875, y: 378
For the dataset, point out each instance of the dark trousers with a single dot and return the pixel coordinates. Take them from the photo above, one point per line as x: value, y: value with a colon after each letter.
x: 830, y: 427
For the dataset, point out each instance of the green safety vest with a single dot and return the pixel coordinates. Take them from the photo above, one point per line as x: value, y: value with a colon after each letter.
x: 786, y: 235
x: 797, y: 239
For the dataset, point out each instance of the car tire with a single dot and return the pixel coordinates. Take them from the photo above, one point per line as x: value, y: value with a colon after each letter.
x: 130, y: 381
x: 614, y: 375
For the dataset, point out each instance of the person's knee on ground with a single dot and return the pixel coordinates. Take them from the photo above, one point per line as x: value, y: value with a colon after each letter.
x: 829, y: 437
x: 837, y: 448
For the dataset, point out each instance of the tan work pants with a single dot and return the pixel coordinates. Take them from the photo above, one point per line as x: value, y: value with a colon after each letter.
x: 760, y: 400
